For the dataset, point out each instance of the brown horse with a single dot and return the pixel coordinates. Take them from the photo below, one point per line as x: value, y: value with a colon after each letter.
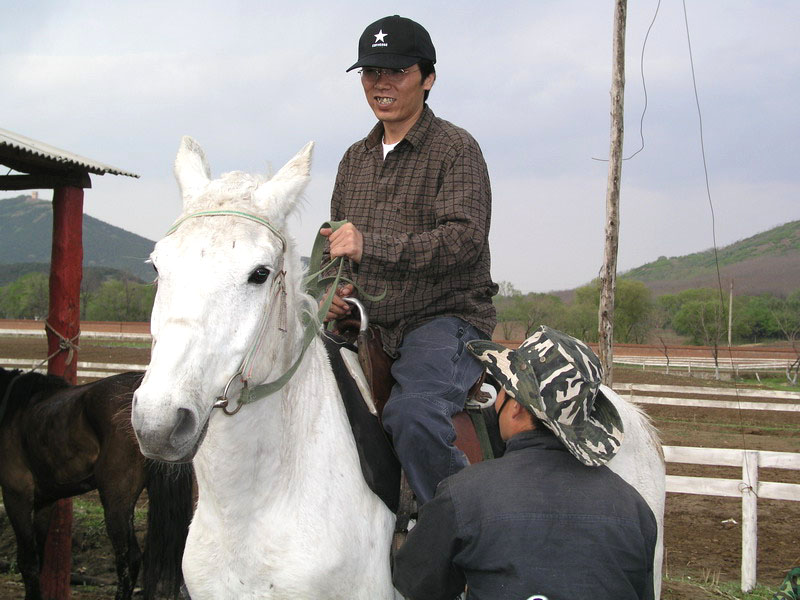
x: 58, y: 441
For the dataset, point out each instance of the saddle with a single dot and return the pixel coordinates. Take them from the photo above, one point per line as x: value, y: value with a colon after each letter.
x: 363, y: 371
x: 474, y: 427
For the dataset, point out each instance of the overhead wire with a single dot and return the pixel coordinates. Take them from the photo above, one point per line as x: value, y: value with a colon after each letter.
x: 714, y: 235
x: 644, y: 86
x: 644, y: 83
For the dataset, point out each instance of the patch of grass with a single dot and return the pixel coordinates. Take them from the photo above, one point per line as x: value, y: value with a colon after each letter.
x: 116, y: 343
x: 89, y: 516
x: 778, y: 382
x: 90, y: 512
x: 731, y: 425
x: 770, y: 380
x: 709, y: 582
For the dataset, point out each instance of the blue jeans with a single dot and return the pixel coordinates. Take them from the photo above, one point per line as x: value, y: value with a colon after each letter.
x: 434, y: 372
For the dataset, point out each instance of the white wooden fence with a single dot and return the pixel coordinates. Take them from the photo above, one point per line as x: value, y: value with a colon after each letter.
x: 86, y: 370
x: 628, y: 391
x: 707, y: 363
x: 749, y: 488
x: 706, y: 391
x: 89, y: 334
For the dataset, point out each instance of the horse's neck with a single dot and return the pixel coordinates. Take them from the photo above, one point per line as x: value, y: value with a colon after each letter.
x: 278, y: 446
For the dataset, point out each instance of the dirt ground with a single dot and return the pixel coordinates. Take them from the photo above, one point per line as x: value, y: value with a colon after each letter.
x: 702, y: 533
x: 701, y: 541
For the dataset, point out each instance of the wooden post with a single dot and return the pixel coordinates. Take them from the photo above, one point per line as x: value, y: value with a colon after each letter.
x: 66, y: 270
x: 608, y: 274
x: 749, y: 519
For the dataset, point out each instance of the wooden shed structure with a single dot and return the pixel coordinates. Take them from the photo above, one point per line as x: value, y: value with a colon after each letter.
x: 36, y: 165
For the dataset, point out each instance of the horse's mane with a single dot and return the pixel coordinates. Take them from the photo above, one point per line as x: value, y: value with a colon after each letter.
x: 650, y: 429
x: 23, y: 387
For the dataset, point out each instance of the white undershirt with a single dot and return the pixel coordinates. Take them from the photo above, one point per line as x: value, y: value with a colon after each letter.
x: 388, y: 148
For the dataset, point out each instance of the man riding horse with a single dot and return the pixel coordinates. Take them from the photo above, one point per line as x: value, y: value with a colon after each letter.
x: 416, y: 195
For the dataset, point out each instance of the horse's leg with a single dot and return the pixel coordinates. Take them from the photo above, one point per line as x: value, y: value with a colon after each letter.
x: 41, y: 524
x: 127, y: 554
x: 119, y: 474
x: 19, y: 508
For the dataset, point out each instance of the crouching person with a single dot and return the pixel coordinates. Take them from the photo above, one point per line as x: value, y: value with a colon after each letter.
x: 547, y: 520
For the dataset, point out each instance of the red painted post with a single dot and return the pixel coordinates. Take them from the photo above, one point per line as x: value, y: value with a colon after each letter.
x: 66, y: 270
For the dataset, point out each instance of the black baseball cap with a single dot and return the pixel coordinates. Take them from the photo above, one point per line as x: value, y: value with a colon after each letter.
x: 394, y: 43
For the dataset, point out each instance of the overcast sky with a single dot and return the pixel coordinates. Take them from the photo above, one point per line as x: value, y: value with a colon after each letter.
x: 252, y: 81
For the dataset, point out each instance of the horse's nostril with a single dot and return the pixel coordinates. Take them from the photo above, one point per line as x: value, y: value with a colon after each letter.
x: 185, y: 427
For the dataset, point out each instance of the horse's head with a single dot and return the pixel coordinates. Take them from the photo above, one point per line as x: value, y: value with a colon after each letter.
x: 228, y: 282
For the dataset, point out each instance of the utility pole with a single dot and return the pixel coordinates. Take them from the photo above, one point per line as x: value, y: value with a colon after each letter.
x: 608, y: 274
x: 730, y: 315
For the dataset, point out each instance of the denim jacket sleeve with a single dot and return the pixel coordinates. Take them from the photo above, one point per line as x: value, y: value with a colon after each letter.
x: 423, y: 567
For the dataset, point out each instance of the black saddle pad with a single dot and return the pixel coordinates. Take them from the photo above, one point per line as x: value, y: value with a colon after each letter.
x: 379, y: 463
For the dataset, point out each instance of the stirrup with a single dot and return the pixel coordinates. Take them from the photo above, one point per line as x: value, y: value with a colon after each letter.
x: 483, y: 399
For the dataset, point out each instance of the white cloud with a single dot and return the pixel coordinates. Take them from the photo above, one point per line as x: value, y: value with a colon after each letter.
x: 121, y: 82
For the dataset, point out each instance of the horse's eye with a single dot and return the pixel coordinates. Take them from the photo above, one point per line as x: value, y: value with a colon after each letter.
x: 259, y: 276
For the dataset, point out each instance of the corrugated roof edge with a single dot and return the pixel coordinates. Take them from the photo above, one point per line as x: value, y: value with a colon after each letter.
x: 36, y: 148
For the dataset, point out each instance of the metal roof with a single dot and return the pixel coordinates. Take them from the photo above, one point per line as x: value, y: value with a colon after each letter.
x: 24, y: 154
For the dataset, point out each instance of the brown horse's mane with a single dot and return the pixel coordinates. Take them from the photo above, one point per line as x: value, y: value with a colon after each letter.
x: 24, y: 386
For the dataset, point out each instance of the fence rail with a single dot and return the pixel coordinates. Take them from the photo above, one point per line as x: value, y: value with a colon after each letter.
x: 749, y: 488
x: 726, y: 404
x: 628, y: 391
x: 706, y: 391
x: 86, y: 370
x: 725, y: 364
x: 89, y: 334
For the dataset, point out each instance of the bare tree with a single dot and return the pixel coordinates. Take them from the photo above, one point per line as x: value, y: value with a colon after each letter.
x: 787, y: 315
x: 665, y: 350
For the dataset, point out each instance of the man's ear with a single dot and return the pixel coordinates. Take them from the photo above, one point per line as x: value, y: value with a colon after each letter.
x: 517, y: 409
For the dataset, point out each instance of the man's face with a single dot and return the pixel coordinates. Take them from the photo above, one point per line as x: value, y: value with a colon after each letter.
x: 397, y: 100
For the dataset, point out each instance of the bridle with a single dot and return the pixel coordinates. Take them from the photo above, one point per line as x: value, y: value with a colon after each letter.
x: 315, y: 282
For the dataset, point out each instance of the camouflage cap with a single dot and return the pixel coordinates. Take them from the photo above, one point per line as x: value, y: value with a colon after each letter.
x: 557, y: 377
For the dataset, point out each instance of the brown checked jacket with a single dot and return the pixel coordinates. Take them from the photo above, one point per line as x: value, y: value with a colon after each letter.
x: 424, y: 213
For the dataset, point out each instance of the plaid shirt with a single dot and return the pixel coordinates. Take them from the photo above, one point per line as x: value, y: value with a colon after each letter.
x: 424, y: 213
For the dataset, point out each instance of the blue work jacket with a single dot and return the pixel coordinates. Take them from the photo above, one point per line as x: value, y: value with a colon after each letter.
x: 535, y: 523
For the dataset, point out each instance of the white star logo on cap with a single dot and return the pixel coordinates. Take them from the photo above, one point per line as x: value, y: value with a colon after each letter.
x: 379, y: 37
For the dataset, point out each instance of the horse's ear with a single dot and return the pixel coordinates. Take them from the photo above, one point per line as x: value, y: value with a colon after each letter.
x: 191, y: 170
x: 279, y: 195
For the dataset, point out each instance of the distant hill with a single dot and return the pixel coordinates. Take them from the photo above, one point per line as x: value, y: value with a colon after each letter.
x: 26, y: 227
x: 766, y: 262
x: 93, y: 277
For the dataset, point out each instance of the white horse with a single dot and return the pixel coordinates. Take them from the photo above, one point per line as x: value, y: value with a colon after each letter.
x: 640, y: 462
x: 283, y: 509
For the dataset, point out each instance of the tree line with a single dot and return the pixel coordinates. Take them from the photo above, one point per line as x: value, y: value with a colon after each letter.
x: 700, y: 315
x: 114, y: 299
